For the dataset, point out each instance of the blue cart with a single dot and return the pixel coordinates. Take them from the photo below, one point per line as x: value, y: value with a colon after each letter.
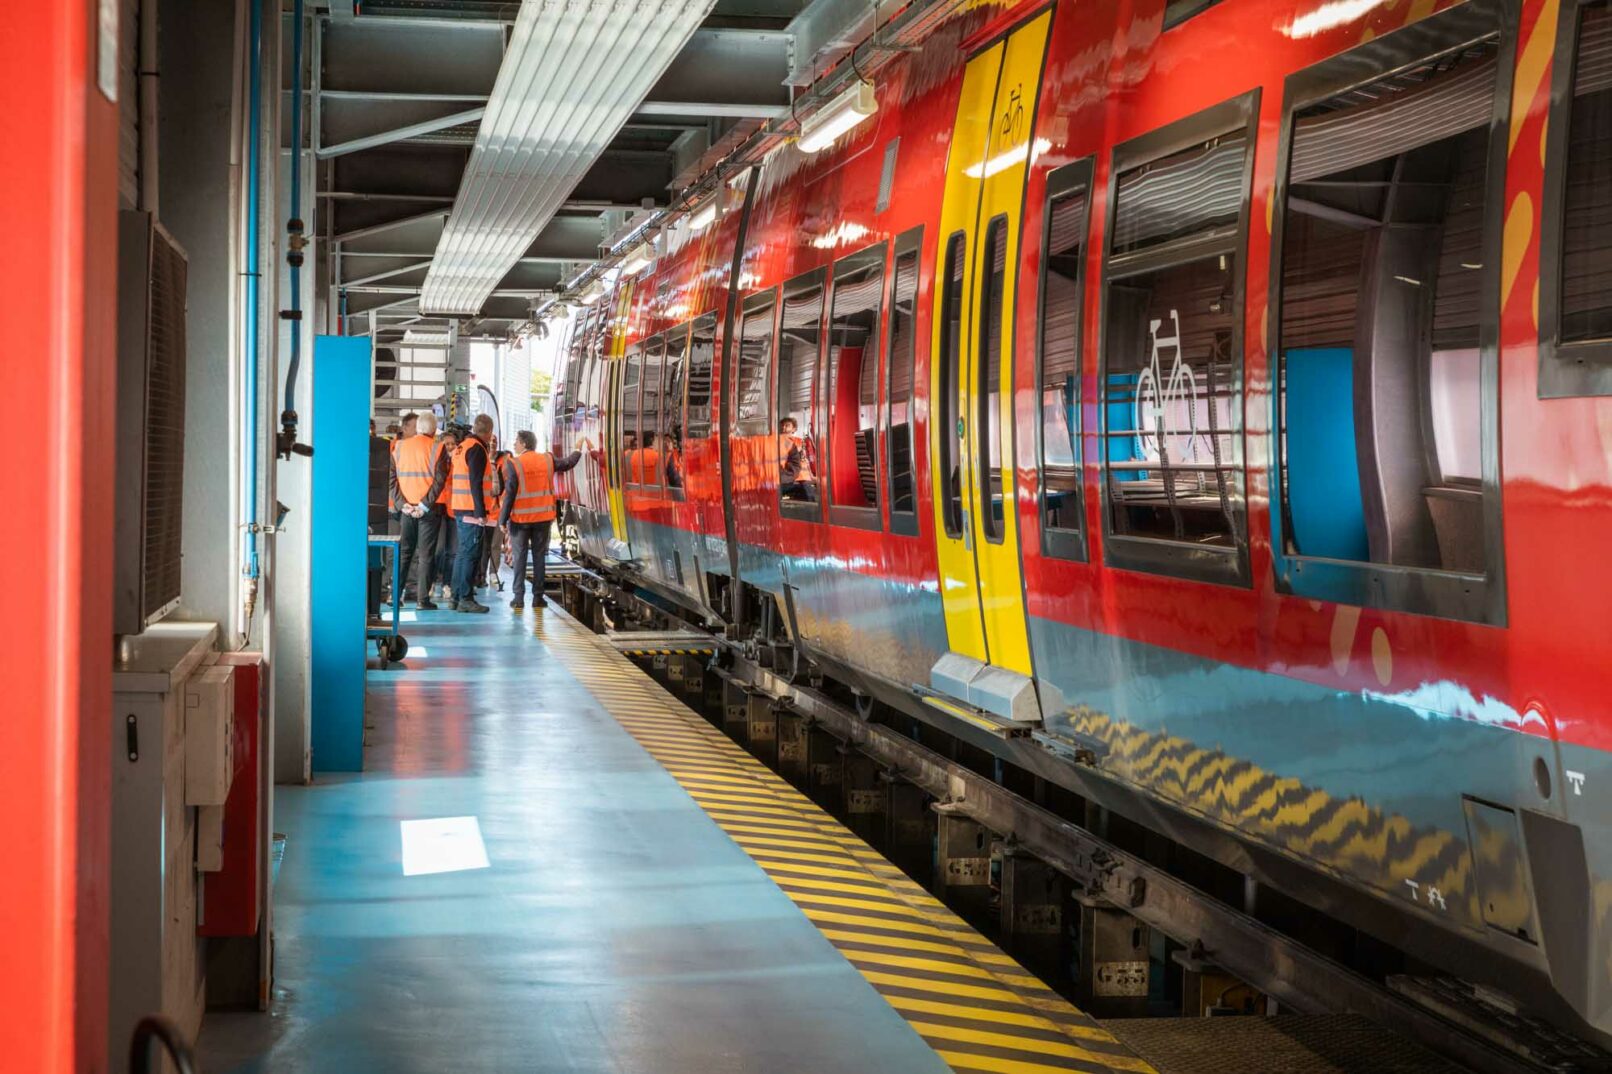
x: 390, y: 645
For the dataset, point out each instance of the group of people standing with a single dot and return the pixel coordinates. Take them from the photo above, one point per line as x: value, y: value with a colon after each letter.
x: 459, y: 499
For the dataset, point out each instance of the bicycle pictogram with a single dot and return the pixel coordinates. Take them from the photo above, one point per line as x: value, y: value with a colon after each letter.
x: 1167, y: 405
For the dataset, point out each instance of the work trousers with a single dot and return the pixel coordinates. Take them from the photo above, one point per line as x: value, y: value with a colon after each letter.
x: 411, y: 535
x: 431, y: 532
x: 533, y: 538
x: 467, y: 559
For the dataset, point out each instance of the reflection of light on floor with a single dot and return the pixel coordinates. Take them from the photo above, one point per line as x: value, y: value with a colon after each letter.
x: 416, y: 651
x: 442, y: 845
x: 408, y: 617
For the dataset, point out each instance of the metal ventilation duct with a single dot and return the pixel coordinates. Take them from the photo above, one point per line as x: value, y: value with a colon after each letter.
x: 574, y: 72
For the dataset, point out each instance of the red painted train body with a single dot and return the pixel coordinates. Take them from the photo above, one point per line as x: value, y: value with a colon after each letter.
x: 1215, y: 389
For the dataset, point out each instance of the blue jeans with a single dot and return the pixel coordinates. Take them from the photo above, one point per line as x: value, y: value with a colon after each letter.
x: 466, y: 559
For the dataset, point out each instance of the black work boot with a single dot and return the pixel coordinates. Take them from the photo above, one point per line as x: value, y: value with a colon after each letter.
x: 470, y: 604
x: 426, y: 605
x: 518, y: 604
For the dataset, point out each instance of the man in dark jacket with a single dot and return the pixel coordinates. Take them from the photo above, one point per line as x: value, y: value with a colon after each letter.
x: 473, y: 510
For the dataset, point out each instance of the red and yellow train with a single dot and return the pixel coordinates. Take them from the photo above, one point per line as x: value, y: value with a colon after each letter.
x: 1205, y: 400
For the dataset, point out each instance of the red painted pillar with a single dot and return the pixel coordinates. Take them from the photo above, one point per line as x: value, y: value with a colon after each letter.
x: 58, y: 235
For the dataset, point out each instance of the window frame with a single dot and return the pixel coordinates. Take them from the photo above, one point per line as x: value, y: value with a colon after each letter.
x: 908, y: 243
x: 1566, y: 370
x: 1155, y: 555
x: 1389, y: 587
x: 1184, y: 10
x: 684, y: 330
x: 761, y: 301
x: 803, y: 510
x: 1060, y: 542
x: 642, y: 350
x: 859, y: 516
x: 994, y: 528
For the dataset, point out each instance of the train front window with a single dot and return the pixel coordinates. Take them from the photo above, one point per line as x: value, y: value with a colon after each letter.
x: 1383, y: 287
x: 800, y: 332
x: 1171, y: 373
x: 898, y: 387
x: 853, y: 387
x: 1059, y: 361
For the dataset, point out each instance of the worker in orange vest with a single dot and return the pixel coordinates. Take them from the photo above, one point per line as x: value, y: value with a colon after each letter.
x: 419, y: 477
x: 447, y: 534
x: 643, y: 463
x: 528, y: 512
x: 474, y: 510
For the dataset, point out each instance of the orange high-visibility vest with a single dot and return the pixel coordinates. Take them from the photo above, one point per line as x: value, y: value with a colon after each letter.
x: 534, y: 495
x: 463, y: 503
x: 437, y: 448
x: 643, y: 466
x: 416, y: 465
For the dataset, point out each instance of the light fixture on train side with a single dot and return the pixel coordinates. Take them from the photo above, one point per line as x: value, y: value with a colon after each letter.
x: 703, y: 217
x: 638, y: 259
x: 824, y: 126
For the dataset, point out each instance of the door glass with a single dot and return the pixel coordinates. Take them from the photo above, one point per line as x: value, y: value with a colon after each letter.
x: 951, y: 444
x: 988, y: 392
x: 671, y: 447
x: 853, y: 363
x: 899, y: 389
x: 799, y: 339
x: 1060, y: 363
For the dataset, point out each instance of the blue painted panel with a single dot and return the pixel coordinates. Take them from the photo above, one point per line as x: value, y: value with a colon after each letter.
x: 339, y: 532
x: 1323, y: 474
x: 1121, y: 415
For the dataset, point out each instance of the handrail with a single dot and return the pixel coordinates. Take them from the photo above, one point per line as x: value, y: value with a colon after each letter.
x: 154, y: 1029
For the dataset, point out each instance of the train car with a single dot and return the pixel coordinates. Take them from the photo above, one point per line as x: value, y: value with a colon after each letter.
x: 1200, y: 404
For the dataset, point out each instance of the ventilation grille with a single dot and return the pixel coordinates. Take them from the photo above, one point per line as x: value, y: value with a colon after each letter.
x: 165, y: 425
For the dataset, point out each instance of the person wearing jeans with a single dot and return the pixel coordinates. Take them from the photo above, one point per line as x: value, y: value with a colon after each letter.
x: 472, y: 503
x: 527, y: 516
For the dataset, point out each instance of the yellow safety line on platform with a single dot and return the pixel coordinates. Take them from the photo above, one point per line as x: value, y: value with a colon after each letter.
x: 977, y: 1008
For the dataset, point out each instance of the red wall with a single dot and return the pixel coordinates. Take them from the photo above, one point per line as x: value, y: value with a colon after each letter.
x: 58, y: 160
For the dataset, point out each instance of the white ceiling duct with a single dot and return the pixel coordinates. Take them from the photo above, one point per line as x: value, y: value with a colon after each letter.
x: 574, y: 72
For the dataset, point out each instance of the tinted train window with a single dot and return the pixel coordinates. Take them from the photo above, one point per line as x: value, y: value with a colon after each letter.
x: 800, y: 332
x: 631, y: 376
x: 755, y: 362
x: 1172, y: 363
x: 671, y: 438
x: 1380, y: 372
x: 945, y: 404
x: 1576, y: 251
x: 898, y: 386
x: 988, y: 392
x: 1059, y: 370
x: 852, y: 399
x: 643, y: 462
x: 701, y: 359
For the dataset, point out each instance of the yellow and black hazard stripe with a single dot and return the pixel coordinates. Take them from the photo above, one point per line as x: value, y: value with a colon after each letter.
x: 706, y: 651
x: 968, y: 1000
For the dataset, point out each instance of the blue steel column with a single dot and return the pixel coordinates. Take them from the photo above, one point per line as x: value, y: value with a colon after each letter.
x: 339, y: 530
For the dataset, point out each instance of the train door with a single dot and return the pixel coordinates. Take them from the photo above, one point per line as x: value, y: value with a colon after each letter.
x: 611, y: 342
x: 971, y: 380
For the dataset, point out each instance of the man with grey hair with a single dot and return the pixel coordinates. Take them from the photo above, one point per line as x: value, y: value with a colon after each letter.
x: 419, y: 474
x: 473, y: 510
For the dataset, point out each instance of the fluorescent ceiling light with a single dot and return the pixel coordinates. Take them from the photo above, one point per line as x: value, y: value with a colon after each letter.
x: 425, y: 338
x: 1006, y: 159
x: 638, y: 259
x: 820, y: 129
x: 561, y: 95
x: 703, y: 217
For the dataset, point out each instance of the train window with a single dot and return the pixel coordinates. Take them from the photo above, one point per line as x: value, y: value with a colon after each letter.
x: 643, y: 462
x: 901, y: 351
x: 1063, y: 260
x: 988, y: 392
x: 755, y: 362
x: 853, y: 388
x: 946, y: 410
x: 1386, y: 322
x: 701, y: 360
x: 631, y: 375
x: 800, y: 332
x: 1178, y: 11
x: 1171, y: 371
x: 672, y: 428
x: 1576, y: 248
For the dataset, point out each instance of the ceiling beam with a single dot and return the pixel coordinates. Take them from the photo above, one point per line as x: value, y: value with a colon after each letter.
x: 388, y: 225
x: 398, y: 134
x: 399, y: 95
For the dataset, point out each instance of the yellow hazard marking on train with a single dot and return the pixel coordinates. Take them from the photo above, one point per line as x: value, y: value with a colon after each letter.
x: 930, y: 966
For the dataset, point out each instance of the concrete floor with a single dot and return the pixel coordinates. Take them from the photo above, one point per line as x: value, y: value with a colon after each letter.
x: 616, y: 929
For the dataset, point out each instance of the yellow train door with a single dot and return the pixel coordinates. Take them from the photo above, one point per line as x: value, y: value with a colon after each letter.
x: 971, y: 382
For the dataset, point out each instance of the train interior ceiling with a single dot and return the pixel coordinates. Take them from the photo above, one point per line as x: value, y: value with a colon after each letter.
x: 1164, y: 447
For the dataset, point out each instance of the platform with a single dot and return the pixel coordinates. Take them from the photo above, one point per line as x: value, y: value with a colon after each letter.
x: 650, y: 898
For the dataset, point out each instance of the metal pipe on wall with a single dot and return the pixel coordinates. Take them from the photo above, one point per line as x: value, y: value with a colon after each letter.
x: 251, y: 273
x: 295, y: 240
